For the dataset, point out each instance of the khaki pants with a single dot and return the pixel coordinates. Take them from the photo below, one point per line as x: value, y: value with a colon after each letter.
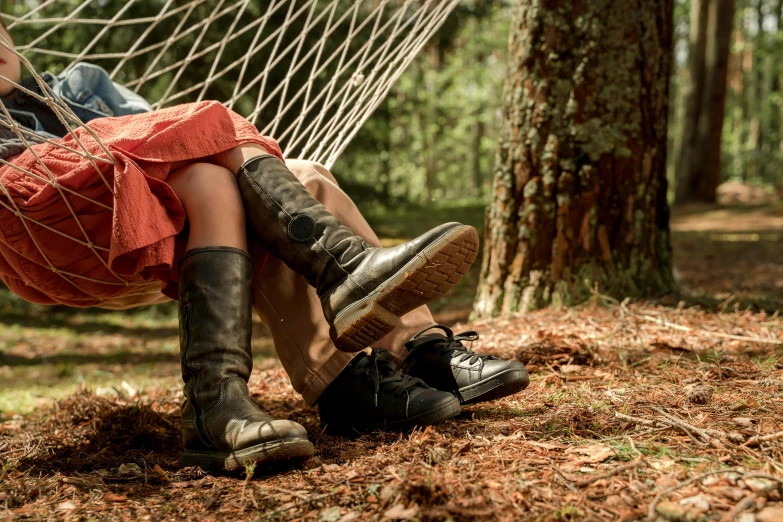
x: 292, y: 311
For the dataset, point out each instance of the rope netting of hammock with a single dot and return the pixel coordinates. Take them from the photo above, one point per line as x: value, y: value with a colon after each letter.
x: 309, y: 73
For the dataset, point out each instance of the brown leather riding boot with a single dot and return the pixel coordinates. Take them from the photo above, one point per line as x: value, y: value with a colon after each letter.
x: 363, y: 290
x: 222, y: 427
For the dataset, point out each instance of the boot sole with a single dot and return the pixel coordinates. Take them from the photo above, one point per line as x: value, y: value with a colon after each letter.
x: 432, y: 273
x: 441, y: 413
x: 267, y: 453
x: 498, y: 386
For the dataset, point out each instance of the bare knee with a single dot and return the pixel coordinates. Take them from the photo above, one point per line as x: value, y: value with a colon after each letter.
x: 199, y: 182
x: 213, y: 205
x: 315, y: 177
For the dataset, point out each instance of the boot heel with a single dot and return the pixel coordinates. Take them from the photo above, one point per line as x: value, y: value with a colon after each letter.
x: 436, y: 271
x: 362, y: 327
x: 432, y: 273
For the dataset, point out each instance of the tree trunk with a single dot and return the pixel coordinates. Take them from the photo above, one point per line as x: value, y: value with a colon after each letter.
x: 706, y: 163
x: 698, y: 175
x: 737, y: 102
x: 476, y: 138
x: 697, y: 49
x: 580, y: 183
x: 760, y: 96
x: 429, y: 127
x: 776, y: 120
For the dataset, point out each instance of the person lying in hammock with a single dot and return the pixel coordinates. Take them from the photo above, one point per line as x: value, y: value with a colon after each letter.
x: 169, y: 219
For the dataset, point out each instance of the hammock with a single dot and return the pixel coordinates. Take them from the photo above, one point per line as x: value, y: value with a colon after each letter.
x: 307, y: 72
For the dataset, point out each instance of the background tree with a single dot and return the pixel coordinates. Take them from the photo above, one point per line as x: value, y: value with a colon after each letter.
x: 698, y: 173
x: 580, y: 182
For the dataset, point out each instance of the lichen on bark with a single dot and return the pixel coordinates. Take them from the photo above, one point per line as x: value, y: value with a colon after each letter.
x: 580, y: 182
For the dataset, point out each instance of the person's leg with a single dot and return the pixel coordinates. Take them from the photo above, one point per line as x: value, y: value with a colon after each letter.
x: 213, y: 205
x: 291, y: 309
x: 363, y: 290
x: 222, y: 427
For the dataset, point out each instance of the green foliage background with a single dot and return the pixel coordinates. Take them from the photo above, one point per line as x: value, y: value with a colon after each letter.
x: 433, y: 138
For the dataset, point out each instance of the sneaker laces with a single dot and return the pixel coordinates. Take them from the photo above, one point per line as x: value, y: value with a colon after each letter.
x: 385, y: 373
x: 450, y: 343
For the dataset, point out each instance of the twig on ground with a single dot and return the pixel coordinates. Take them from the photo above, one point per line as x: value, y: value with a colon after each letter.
x: 709, y: 435
x: 668, y: 424
x: 755, y: 441
x: 764, y: 476
x: 78, y: 483
x: 741, y: 506
x: 633, y: 446
x: 751, y: 498
x: 637, y: 420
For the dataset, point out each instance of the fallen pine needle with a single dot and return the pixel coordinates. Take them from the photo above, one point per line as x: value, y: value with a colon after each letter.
x: 669, y: 324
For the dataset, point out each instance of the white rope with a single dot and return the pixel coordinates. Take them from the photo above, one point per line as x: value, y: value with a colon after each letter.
x: 289, y: 43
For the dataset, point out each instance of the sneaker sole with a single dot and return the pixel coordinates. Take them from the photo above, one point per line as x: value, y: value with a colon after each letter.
x: 267, y: 453
x: 432, y: 273
x: 498, y: 386
x: 441, y: 413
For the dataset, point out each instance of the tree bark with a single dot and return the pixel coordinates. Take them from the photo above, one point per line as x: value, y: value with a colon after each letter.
x: 476, y: 138
x: 761, y: 98
x: 697, y: 49
x: 776, y: 118
x: 580, y: 183
x: 698, y: 175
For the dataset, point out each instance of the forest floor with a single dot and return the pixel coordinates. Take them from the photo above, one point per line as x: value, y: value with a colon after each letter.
x: 669, y: 410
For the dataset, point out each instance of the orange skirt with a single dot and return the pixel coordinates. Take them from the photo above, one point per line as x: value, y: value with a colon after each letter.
x: 69, y: 235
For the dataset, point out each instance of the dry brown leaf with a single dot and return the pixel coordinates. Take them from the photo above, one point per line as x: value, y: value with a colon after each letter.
x: 729, y: 492
x: 662, y: 464
x: 571, y: 368
x: 400, y: 512
x: 749, y: 403
x: 615, y: 501
x: 591, y: 454
x: 665, y: 481
x: 745, y: 422
x: 65, y: 506
x: 113, y: 497
x: 700, y: 502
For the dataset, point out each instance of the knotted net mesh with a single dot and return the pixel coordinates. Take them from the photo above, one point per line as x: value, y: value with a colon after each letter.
x: 306, y: 72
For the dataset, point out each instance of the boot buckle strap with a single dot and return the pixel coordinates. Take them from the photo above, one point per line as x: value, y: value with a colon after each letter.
x: 301, y: 228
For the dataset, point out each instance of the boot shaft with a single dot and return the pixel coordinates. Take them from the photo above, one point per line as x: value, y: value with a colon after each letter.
x: 295, y: 227
x: 215, y: 320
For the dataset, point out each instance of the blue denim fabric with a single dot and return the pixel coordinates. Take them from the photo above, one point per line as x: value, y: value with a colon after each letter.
x: 89, y: 88
x: 90, y: 93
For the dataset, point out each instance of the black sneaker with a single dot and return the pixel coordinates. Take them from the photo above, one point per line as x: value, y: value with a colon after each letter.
x: 371, y: 394
x: 442, y: 361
